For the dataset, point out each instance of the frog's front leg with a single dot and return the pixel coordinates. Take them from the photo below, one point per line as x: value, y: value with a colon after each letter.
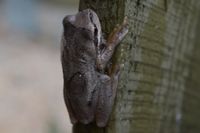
x: 114, y: 38
x: 107, y: 93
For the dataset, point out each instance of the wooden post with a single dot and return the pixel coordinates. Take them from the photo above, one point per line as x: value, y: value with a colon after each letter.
x: 159, y: 89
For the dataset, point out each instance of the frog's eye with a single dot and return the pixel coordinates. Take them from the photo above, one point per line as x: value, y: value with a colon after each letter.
x: 91, y: 16
x: 96, y: 36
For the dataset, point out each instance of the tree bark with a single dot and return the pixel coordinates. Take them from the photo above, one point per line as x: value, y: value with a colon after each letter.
x: 159, y: 89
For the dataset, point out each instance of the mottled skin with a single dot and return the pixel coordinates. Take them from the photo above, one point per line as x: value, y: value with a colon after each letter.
x: 88, y: 92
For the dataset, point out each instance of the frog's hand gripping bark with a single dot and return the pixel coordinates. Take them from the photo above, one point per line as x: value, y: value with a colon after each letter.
x: 114, y: 38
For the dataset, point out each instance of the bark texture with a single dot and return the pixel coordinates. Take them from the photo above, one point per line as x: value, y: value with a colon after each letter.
x: 159, y: 89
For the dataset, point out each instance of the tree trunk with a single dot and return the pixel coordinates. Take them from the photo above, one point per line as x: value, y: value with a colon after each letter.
x: 159, y: 89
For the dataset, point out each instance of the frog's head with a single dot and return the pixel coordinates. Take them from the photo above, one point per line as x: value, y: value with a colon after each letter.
x: 86, y: 19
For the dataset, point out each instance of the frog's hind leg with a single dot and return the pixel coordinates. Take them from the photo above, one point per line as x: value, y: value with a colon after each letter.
x: 107, y: 95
